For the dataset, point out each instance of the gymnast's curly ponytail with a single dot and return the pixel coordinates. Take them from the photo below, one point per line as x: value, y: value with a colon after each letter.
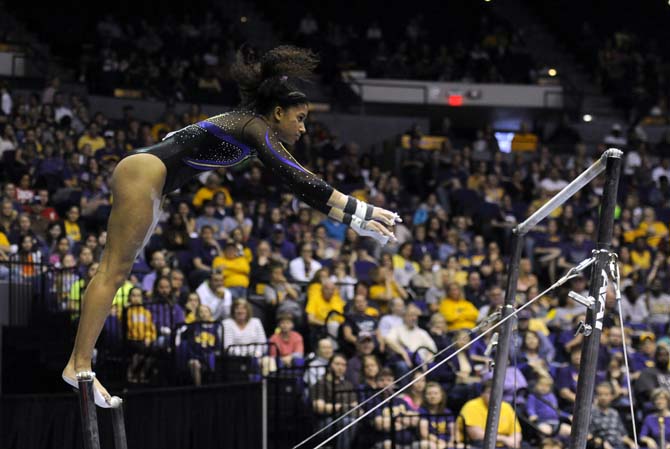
x: 273, y: 81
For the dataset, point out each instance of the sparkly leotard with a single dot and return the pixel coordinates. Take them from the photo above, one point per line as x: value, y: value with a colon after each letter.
x: 228, y: 139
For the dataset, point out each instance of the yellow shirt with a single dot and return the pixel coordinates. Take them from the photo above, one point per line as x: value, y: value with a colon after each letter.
x: 377, y: 291
x: 3, y: 239
x: 318, y: 307
x: 524, y: 142
x: 399, y: 262
x: 235, y: 271
x: 657, y: 232
x: 205, y: 194
x: 72, y: 231
x: 140, y: 324
x: 474, y: 414
x: 459, y: 313
x: 95, y: 143
x: 641, y: 259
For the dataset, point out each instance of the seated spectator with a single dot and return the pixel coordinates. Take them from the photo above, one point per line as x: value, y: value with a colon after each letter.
x: 474, y: 414
x: 658, y: 304
x: 203, y: 251
x: 654, y: 377
x: 365, y: 345
x: 524, y: 140
x: 282, y: 294
x: 140, y: 334
x: 437, y: 329
x: 368, y: 376
x: 238, y: 219
x: 414, y: 396
x: 321, y: 301
x: 304, y: 267
x: 394, y: 421
x: 542, y: 409
x: 333, y: 395
x: 289, y: 344
x: 235, y: 269
x: 406, y: 339
x: 534, y: 362
x: 458, y: 311
x: 474, y: 290
x: 606, y: 428
x: 207, y: 192
x: 191, y: 308
x: 316, y: 364
x: 496, y: 299
x: 344, y: 280
x: 384, y: 288
x: 361, y: 319
x: 167, y: 314
x: 202, y: 343
x: 436, y: 427
x: 214, y: 295
x: 157, y: 264
x: 651, y: 229
x: 394, y: 318
x: 244, y: 330
x: 566, y: 380
x: 650, y: 434
x: 261, y: 267
x: 208, y: 218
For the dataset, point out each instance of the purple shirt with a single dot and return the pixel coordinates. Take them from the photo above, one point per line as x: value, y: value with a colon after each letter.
x: 651, y: 429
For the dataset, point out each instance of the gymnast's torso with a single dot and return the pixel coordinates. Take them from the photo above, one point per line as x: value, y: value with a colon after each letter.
x: 226, y: 140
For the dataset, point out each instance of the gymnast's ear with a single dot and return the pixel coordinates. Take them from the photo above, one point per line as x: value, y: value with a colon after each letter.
x: 278, y: 113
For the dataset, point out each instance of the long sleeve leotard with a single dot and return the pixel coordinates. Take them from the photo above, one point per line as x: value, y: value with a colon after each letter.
x: 228, y: 139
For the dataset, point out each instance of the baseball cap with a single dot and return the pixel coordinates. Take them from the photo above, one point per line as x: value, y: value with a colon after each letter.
x: 362, y: 336
x: 278, y: 228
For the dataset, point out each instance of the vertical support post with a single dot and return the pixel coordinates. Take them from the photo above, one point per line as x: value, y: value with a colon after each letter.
x: 89, y: 417
x: 596, y: 313
x: 502, y: 350
x: 119, y: 427
x: 264, y: 406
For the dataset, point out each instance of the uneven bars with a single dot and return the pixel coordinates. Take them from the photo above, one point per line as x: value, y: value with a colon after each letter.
x: 566, y: 193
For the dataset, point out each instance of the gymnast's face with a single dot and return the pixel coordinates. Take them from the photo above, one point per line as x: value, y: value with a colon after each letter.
x: 289, y: 123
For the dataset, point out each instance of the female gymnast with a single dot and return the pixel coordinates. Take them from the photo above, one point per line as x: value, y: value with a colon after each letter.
x: 273, y: 113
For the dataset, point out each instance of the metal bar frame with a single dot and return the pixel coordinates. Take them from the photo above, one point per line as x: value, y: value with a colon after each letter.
x: 610, y: 161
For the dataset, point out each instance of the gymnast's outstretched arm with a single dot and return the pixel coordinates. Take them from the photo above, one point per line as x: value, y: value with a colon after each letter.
x: 312, y: 189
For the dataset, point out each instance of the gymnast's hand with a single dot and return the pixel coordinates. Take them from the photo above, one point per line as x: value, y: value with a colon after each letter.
x: 386, y: 216
x: 377, y: 231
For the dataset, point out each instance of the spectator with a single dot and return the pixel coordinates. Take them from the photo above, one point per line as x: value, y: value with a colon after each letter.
x: 282, y: 294
x: 474, y: 414
x: 207, y: 192
x: 304, y: 267
x: 394, y: 318
x: 202, y: 343
x: 542, y: 409
x: 654, y: 377
x: 244, y: 331
x: 458, y: 311
x: 208, y: 218
x: 158, y: 263
x: 238, y: 220
x: 406, y: 340
x: 322, y: 301
x: 650, y: 434
x: 141, y: 334
x: 606, y: 428
x: 361, y: 320
x: 215, y: 296
x: 436, y: 427
x: 317, y: 364
x: 524, y: 140
x: 289, y: 344
x: 365, y: 346
x: 385, y: 288
x: 326, y: 402
x: 235, y: 269
x: 658, y: 304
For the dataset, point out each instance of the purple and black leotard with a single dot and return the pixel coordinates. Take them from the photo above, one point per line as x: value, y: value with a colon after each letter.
x: 228, y: 139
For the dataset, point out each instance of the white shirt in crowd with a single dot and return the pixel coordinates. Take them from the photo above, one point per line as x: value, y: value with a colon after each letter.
x: 388, y: 322
x: 220, y: 307
x: 299, y: 270
x: 253, y: 332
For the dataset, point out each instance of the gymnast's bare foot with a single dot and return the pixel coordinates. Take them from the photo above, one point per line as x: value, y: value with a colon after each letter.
x: 102, y: 396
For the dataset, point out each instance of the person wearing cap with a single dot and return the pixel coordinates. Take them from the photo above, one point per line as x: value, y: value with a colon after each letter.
x: 361, y: 320
x: 654, y: 377
x: 365, y: 345
x: 287, y: 343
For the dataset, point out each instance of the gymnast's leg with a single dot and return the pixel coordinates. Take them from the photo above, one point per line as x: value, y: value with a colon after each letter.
x: 137, y: 185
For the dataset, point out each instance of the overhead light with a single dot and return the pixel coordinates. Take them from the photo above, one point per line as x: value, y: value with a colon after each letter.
x: 587, y: 117
x: 243, y: 19
x: 552, y: 72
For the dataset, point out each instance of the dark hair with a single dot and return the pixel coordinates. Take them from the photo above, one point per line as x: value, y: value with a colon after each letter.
x: 272, y: 81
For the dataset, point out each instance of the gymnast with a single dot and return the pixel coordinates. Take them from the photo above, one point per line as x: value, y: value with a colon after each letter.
x: 272, y: 114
